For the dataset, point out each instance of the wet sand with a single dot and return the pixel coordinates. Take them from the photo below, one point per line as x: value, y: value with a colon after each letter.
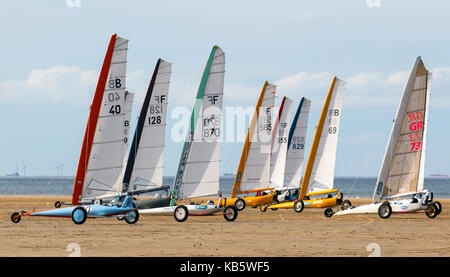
x: 274, y: 233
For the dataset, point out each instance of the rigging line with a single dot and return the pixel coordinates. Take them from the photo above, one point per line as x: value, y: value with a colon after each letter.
x: 45, y: 189
x: 353, y: 185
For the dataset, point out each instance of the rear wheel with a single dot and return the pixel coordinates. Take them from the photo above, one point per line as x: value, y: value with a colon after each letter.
x: 79, y: 215
x: 180, y: 213
x: 263, y: 208
x: 15, y: 217
x: 385, y: 210
x: 432, y: 210
x: 439, y: 206
x: 132, y: 217
x: 239, y: 204
x: 328, y: 212
x: 230, y: 213
x: 298, y: 206
x: 346, y: 204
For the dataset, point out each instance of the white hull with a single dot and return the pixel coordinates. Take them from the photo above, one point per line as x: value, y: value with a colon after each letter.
x: 193, y: 210
x: 398, y: 206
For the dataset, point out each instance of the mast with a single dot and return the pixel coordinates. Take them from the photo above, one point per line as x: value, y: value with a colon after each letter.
x: 198, y: 169
x: 319, y: 172
x: 280, y: 136
x: 92, y: 123
x: 296, y: 144
x: 145, y: 161
x: 250, y: 135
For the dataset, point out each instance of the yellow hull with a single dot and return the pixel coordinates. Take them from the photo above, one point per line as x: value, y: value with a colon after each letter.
x: 252, y: 201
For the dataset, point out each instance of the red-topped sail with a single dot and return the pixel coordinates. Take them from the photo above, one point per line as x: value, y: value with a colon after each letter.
x: 92, y: 123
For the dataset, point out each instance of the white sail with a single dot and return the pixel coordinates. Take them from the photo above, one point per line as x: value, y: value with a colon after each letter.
x: 202, y: 148
x: 280, y: 136
x: 149, y: 157
x: 296, y: 145
x: 256, y: 173
x: 402, y: 170
x: 322, y: 175
x: 106, y: 159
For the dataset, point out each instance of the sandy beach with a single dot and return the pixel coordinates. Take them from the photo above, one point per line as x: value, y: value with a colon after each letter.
x: 270, y: 234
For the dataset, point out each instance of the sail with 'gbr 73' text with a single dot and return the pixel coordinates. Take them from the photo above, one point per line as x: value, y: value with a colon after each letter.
x: 402, y: 171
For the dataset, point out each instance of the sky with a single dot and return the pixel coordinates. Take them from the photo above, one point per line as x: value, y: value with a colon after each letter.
x: 52, y: 51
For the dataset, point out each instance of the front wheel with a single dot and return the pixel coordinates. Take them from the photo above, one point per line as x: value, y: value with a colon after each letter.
x: 230, y: 213
x: 298, y: 206
x: 346, y: 204
x: 15, y: 217
x: 180, y: 213
x: 263, y: 208
x: 328, y: 212
x: 385, y: 210
x: 79, y: 215
x: 432, y: 210
x: 132, y: 217
x: 58, y: 204
x: 239, y: 204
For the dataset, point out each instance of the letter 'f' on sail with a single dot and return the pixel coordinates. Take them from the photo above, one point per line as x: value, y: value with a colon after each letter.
x: 402, y: 171
x: 319, y: 172
x: 102, y: 154
x: 144, y: 168
x: 199, y: 167
x: 296, y: 145
x: 280, y: 136
x: 254, y: 165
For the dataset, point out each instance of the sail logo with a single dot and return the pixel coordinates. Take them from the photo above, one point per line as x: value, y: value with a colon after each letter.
x: 379, y: 188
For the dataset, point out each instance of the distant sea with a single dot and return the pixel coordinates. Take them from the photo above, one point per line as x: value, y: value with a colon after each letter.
x: 352, y: 187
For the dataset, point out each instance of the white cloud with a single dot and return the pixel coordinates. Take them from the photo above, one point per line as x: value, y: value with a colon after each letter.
x: 72, y: 84
x: 55, y: 84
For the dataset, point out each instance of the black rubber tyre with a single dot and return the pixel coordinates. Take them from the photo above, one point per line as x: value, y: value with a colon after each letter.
x: 328, y: 212
x: 274, y: 209
x: 79, y: 215
x: 120, y: 217
x: 58, y: 204
x: 432, y: 210
x: 239, y: 204
x: 298, y: 206
x: 15, y: 217
x: 340, y: 196
x: 180, y: 213
x: 98, y: 201
x: 230, y: 213
x: 132, y: 217
x: 263, y: 208
x: 439, y: 206
x: 385, y: 210
x: 346, y: 204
